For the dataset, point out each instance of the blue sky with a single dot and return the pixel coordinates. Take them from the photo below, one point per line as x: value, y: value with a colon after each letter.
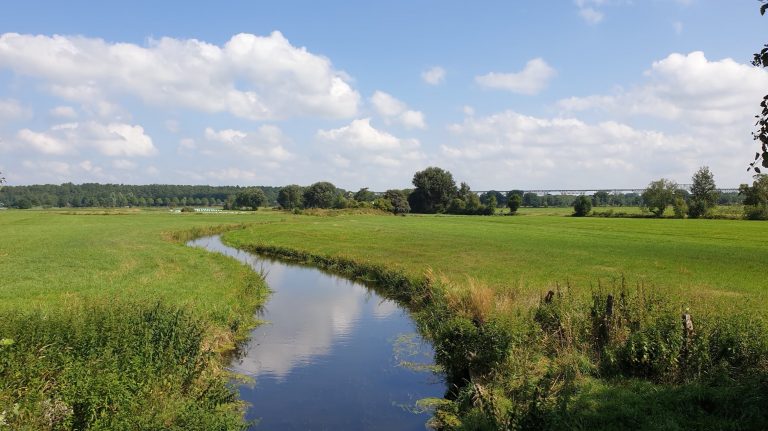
x: 513, y: 94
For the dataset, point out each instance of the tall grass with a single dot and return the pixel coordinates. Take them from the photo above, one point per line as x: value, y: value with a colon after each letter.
x: 111, y: 366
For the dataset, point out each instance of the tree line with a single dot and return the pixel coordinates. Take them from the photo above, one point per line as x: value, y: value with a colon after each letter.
x: 122, y: 195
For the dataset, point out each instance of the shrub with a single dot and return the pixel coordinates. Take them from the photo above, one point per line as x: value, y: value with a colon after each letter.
x: 582, y: 206
x: 514, y: 203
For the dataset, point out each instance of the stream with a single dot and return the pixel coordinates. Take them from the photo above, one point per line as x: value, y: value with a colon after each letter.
x: 331, y: 354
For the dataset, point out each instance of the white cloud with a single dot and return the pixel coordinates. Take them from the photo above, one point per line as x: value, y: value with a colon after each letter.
x: 113, y: 139
x: 50, y: 169
x: 265, y: 145
x: 362, y: 151
x: 687, y: 90
x: 590, y: 15
x: 561, y: 151
x: 252, y: 77
x: 11, y: 110
x: 42, y: 142
x: 434, y: 75
x: 124, y: 164
x: 531, y: 80
x: 66, y: 112
x: 394, y: 110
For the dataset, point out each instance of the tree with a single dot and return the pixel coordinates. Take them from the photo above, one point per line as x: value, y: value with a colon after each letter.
x: 290, y: 197
x: 756, y: 198
x: 582, y: 206
x: 364, y: 195
x: 320, y: 195
x: 704, y: 193
x: 491, y: 205
x: 501, y: 200
x: 601, y: 198
x: 435, y: 188
x: 513, y: 202
x: 658, y: 195
x: 761, y: 134
x: 250, y: 198
x: 398, y: 199
x: 531, y: 199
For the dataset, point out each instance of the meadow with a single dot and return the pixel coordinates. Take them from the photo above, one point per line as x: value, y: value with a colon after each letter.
x: 704, y: 262
x: 109, y: 321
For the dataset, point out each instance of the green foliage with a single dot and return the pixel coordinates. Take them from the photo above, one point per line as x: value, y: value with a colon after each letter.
x: 756, y: 198
x: 290, y: 197
x: 435, y: 188
x: 251, y: 198
x: 365, y: 195
x: 582, y: 206
x: 112, y: 366
x: 514, y: 201
x: 679, y: 206
x: 761, y: 134
x: 397, y: 200
x: 320, y: 195
x: 658, y: 195
x: 704, y: 195
x: 501, y: 199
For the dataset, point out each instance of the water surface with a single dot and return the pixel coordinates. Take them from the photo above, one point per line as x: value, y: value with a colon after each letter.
x: 329, y: 356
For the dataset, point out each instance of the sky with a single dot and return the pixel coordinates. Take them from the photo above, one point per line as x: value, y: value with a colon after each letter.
x: 524, y: 94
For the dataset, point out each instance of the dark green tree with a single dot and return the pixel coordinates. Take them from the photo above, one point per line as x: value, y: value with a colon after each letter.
x: 251, y: 198
x: 756, y: 198
x: 704, y: 193
x: 365, y: 195
x: 501, y: 199
x: 435, y: 188
x: 513, y: 202
x: 582, y: 206
x: 290, y: 197
x: 398, y: 199
x: 760, y: 135
x: 658, y: 195
x: 320, y: 195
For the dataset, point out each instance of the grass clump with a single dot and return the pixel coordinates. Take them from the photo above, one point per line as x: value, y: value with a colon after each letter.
x: 112, y: 366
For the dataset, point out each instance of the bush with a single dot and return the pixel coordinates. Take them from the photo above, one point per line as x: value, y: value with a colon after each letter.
x: 582, y: 206
x: 514, y: 203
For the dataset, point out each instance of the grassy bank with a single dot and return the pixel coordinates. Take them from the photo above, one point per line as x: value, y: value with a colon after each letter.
x: 515, y: 359
x: 109, y: 322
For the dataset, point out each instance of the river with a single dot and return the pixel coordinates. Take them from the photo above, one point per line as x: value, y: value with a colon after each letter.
x: 330, y: 355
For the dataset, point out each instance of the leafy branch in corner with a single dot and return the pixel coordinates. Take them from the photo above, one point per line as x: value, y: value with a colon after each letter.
x: 761, y: 134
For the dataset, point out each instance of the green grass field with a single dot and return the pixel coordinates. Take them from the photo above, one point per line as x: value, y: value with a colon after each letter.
x: 704, y: 262
x: 99, y: 309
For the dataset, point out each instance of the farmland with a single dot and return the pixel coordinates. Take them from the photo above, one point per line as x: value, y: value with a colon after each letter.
x: 96, y: 283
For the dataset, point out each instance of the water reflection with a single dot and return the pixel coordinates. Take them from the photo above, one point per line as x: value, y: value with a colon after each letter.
x: 325, y: 360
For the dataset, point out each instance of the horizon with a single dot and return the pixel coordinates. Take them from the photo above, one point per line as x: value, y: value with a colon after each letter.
x: 525, y: 96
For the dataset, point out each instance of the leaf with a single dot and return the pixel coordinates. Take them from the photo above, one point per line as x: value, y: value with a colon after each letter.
x: 763, y: 8
x: 765, y: 163
x: 757, y: 156
x: 757, y: 170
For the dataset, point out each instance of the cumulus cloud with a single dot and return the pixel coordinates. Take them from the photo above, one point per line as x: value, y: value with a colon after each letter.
x: 531, y: 80
x: 114, y: 139
x: 394, y: 110
x: 362, y: 151
x: 434, y: 75
x: 266, y: 145
x: 687, y: 90
x: 11, y: 110
x: 553, y: 152
x: 65, y: 112
x: 252, y: 77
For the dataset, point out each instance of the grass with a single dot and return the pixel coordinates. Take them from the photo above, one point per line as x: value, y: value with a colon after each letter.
x: 109, y: 322
x: 90, y: 299
x: 715, y: 263
x: 516, y: 361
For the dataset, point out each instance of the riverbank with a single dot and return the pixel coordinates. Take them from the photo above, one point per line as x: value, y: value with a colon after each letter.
x: 110, y: 322
x: 613, y: 355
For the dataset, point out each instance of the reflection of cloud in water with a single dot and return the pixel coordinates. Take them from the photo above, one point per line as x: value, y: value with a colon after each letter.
x: 307, y: 312
x: 383, y: 309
